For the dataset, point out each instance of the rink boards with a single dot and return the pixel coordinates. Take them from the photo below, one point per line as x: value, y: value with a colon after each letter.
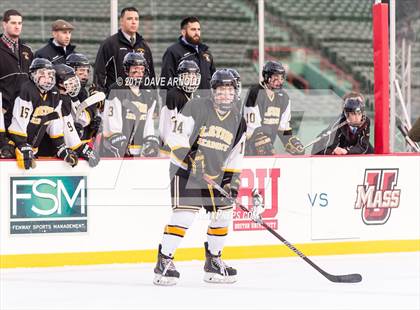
x: 115, y: 213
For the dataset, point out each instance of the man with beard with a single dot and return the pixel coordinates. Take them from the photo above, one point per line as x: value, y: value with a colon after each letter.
x: 188, y: 47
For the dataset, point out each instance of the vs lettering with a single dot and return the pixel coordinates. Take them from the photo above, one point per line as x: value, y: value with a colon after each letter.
x: 319, y: 199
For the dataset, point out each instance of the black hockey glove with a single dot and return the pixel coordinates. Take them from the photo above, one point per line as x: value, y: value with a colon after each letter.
x: 150, y: 147
x: 294, y: 146
x: 196, y: 164
x: 7, y: 147
x: 79, y: 129
x: 231, y: 183
x: 87, y: 153
x: 95, y: 124
x: 68, y: 155
x: 116, y: 144
x: 263, y: 144
x: 25, y: 156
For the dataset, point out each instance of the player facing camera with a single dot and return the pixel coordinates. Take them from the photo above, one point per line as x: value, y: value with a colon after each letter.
x: 136, y: 69
x: 189, y: 76
x: 42, y: 73
x: 80, y: 64
x: 274, y: 76
x: 224, y: 90
x: 354, y: 111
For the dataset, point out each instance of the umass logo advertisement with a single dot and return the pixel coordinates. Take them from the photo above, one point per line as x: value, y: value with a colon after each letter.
x: 48, y: 204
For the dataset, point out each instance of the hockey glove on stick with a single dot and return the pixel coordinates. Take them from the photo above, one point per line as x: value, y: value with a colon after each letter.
x: 294, y: 146
x: 196, y: 164
x: 116, y: 144
x: 258, y: 206
x: 150, y: 147
x: 68, y: 155
x: 25, y: 156
x: 263, y: 145
x: 87, y: 153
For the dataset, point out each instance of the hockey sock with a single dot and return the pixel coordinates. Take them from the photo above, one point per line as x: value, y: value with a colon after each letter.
x: 175, y: 231
x: 217, y: 231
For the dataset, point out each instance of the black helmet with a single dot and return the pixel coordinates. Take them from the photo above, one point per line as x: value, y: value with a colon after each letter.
x: 67, y: 79
x: 135, y: 59
x: 186, y: 82
x: 354, y: 105
x: 223, y: 77
x: 77, y: 60
x: 40, y: 63
x: 48, y: 75
x: 238, y: 81
x: 270, y: 68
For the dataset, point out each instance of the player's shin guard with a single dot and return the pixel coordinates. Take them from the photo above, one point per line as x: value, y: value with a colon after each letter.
x: 174, y: 232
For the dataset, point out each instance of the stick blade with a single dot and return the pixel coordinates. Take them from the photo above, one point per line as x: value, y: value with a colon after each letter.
x: 347, y: 278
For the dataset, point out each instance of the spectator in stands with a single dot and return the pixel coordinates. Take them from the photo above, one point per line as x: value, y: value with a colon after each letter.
x: 414, y: 132
x: 15, y: 59
x: 109, y: 60
x: 349, y: 134
x: 58, y: 47
x: 188, y: 47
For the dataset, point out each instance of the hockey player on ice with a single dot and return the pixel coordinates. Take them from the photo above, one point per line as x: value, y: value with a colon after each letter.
x: 209, y: 140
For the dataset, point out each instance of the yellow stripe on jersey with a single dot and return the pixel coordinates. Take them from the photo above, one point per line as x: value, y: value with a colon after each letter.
x: 217, y: 231
x: 76, y: 146
x: 175, y: 230
x: 57, y: 136
x: 18, y: 133
x: 232, y: 170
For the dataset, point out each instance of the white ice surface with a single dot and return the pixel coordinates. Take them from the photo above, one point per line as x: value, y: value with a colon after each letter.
x: 390, y: 281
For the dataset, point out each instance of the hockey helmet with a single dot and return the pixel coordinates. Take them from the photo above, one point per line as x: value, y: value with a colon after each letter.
x: 67, y: 79
x: 224, y: 89
x: 189, y: 76
x: 271, y: 68
x: 135, y: 59
x: 42, y: 73
x: 354, y: 111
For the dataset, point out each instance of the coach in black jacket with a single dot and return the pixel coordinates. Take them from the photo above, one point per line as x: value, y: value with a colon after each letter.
x: 58, y: 47
x: 188, y: 47
x: 109, y: 60
x: 15, y: 59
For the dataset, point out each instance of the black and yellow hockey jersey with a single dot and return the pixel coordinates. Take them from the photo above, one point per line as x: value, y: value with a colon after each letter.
x: 220, y: 138
x: 29, y: 107
x: 269, y: 112
x: 175, y: 102
x: 124, y: 107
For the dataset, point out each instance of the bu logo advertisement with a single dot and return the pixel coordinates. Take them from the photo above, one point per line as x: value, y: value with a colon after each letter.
x: 48, y: 204
x: 378, y: 195
x: 266, y: 181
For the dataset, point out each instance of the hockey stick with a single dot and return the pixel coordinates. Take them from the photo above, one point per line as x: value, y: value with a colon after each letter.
x: 404, y: 131
x: 36, y: 141
x: 326, y: 134
x: 133, y: 109
x: 348, y: 278
x: 89, y: 101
